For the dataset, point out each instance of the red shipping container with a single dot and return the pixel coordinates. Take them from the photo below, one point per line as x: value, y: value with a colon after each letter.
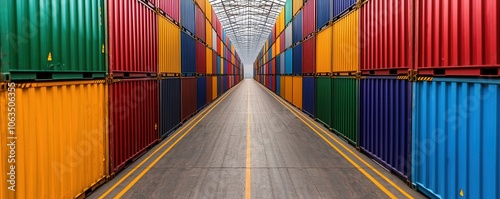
x: 188, y: 97
x: 458, y: 37
x: 200, y: 24
x: 309, y: 18
x: 201, y: 58
x: 219, y: 47
x: 273, y: 69
x: 219, y: 28
x: 133, y: 45
x: 386, y: 37
x: 282, y: 42
x: 209, y: 89
x: 133, y: 111
x: 309, y: 55
x: 170, y: 7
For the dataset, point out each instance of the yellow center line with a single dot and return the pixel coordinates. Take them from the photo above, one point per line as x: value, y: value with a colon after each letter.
x: 380, y: 186
x: 136, y: 179
x: 248, y: 187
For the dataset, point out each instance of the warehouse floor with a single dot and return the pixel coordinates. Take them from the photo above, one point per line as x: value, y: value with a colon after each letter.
x: 291, y: 156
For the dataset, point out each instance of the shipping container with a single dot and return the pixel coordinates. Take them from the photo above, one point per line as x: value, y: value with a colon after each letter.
x: 309, y: 95
x: 345, y: 108
x: 170, y: 105
x: 214, y: 39
x: 169, y: 45
x: 324, y: 13
x: 289, y: 88
x: 324, y: 100
x: 201, y: 4
x: 297, y: 59
x: 283, y: 41
x: 201, y: 60
x: 458, y: 38
x: 209, y: 54
x: 341, y: 7
x: 386, y: 37
x: 289, y: 61
x: 346, y: 40
x: 133, y: 110
x: 297, y: 91
x: 456, y: 138
x: 309, y: 18
x: 201, y: 90
x: 188, y: 18
x: 188, y: 97
x: 208, y: 34
x: 41, y: 50
x: 208, y: 11
x: 278, y: 84
x: 215, y: 87
x: 324, y: 50
x: 297, y: 28
x: 282, y: 87
x: 297, y: 5
x: 209, y: 97
x: 61, y: 143
x: 188, y: 54
x: 170, y: 7
x: 309, y: 56
x: 283, y: 63
x: 132, y: 51
x: 288, y: 11
x: 385, y: 122
x: 200, y: 24
x: 289, y: 36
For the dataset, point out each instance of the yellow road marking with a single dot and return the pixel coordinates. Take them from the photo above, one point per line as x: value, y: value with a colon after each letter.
x: 136, y: 179
x: 248, y: 187
x: 355, y: 155
x: 158, y: 149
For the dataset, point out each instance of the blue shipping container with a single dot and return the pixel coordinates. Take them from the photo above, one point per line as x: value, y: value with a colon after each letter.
x: 308, y: 95
x: 170, y: 105
x: 278, y: 64
x: 278, y: 84
x: 297, y: 28
x: 187, y: 15
x: 202, y: 92
x: 220, y: 86
x: 324, y: 12
x: 188, y: 54
x: 289, y: 61
x: 341, y: 6
x: 297, y: 59
x: 456, y: 136
x: 385, y: 122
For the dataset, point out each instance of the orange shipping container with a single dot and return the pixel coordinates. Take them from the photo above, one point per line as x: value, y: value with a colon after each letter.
x: 208, y: 32
x: 297, y: 91
x: 208, y: 11
x: 297, y: 4
x: 324, y: 51
x: 209, y: 55
x: 289, y: 88
x: 346, y: 44
x: 201, y: 4
x: 214, y: 88
x: 282, y: 87
x: 169, y: 45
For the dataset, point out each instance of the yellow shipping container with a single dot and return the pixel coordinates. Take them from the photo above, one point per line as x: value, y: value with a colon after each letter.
x: 169, y: 43
x: 60, y: 139
x: 214, y: 88
x: 208, y: 31
x: 282, y: 87
x: 209, y: 56
x: 297, y: 4
x: 324, y: 51
x: 297, y: 91
x: 281, y: 20
x: 273, y: 47
x: 277, y: 46
x: 201, y: 4
x: 208, y: 11
x: 289, y: 88
x: 346, y: 40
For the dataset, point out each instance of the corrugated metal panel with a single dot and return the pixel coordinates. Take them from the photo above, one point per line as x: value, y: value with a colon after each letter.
x: 449, y: 36
x: 342, y: 6
x: 201, y: 4
x: 309, y: 18
x: 297, y: 59
x: 289, y: 88
x: 208, y: 32
x: 170, y: 7
x: 278, y: 65
x: 170, y: 105
x: 324, y: 51
x: 214, y: 88
x: 188, y: 97
x: 281, y: 20
x: 309, y: 56
x: 297, y: 28
x: 131, y: 50
x: 309, y: 95
x: 283, y: 41
x: 324, y: 99
x: 297, y: 5
x: 385, y: 122
x: 201, y: 60
x: 324, y: 12
x: 289, y: 36
x: 201, y: 92
x: 282, y: 87
x: 37, y: 45
x: 61, y: 142
x: 346, y: 40
x: 386, y: 37
x: 200, y: 24
x: 188, y: 15
x: 289, y: 61
x: 456, y: 137
x: 288, y: 11
x: 283, y: 63
x: 297, y: 91
x: 345, y: 107
x: 209, y: 62
x: 214, y: 39
x: 188, y: 54
x: 278, y: 84
x: 169, y: 43
x: 277, y: 47
x: 208, y: 11
x: 209, y: 91
x: 133, y: 120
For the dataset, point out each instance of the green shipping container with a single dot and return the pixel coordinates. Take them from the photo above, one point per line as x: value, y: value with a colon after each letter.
x: 48, y: 40
x: 345, y: 108
x: 324, y: 100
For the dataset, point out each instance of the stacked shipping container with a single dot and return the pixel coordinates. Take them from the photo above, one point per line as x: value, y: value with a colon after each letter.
x: 379, y: 74
x: 161, y: 63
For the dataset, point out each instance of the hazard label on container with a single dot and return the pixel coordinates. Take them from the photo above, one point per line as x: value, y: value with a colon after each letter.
x: 49, y: 57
